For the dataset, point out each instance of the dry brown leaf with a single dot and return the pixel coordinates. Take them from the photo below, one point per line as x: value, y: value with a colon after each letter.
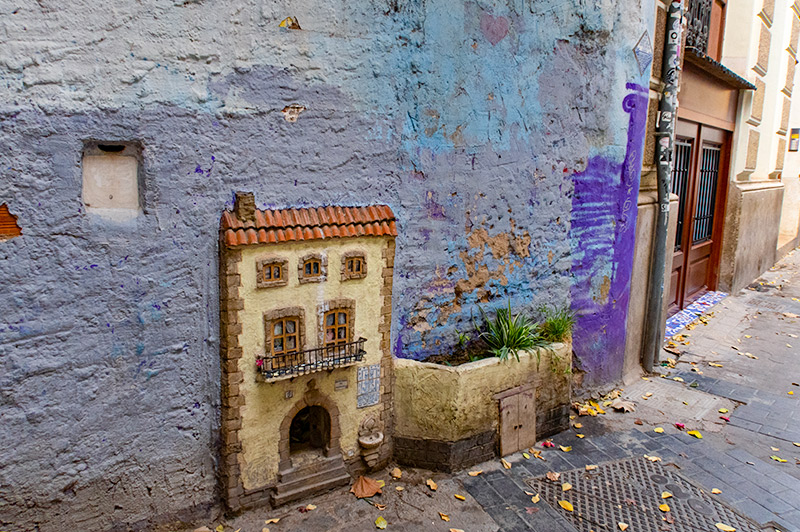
x: 444, y: 517
x: 623, y: 526
x: 396, y: 473
x: 460, y: 497
x: 310, y: 507
x: 551, y: 475
x: 716, y: 491
x: 566, y: 486
x: 272, y: 521
x: 591, y: 467
x: 365, y: 487
x: 475, y: 473
x: 431, y: 484
x: 623, y: 406
x: 505, y: 463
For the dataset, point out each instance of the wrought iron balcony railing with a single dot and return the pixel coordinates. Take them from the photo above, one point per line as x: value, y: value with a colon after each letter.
x: 698, y: 26
x: 311, y: 360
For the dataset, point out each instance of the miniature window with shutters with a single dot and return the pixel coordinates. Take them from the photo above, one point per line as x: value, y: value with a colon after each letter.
x: 312, y: 268
x: 336, y: 327
x: 271, y: 272
x: 285, y: 342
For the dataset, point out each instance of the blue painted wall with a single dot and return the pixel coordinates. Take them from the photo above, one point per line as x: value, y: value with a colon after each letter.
x: 478, y: 122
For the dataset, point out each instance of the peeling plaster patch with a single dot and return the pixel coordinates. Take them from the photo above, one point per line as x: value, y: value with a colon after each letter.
x: 9, y: 228
x: 291, y: 112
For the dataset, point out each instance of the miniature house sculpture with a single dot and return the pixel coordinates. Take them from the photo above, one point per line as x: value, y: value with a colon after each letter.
x: 305, y: 314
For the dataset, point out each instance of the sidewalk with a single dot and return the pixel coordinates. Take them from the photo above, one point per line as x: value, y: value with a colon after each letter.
x: 743, y: 360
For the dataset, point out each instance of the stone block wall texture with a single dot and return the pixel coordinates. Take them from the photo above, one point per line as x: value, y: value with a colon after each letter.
x: 498, y: 131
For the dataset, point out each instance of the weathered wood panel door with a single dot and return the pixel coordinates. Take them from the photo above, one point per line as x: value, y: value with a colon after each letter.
x: 517, y: 419
x: 699, y: 179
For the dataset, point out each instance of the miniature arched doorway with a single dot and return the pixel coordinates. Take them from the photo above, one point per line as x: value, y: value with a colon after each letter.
x: 310, y: 430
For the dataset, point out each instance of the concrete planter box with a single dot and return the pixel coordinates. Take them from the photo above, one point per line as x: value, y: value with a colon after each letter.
x: 447, y: 417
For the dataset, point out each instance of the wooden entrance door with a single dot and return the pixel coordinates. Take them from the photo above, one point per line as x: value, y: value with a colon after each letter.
x: 699, y: 179
x: 517, y: 419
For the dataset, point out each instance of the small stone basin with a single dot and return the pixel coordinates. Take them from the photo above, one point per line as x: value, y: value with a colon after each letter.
x: 371, y: 441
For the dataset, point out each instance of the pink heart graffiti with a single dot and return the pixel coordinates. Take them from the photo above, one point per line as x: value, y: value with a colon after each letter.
x: 494, y: 28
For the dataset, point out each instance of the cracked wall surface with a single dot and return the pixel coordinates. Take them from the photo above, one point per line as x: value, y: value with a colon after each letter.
x: 477, y: 122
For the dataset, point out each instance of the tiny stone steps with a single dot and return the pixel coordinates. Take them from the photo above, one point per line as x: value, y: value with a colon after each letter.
x: 300, y: 482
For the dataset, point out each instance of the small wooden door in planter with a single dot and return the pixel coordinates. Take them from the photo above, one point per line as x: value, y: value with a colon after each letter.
x: 517, y: 419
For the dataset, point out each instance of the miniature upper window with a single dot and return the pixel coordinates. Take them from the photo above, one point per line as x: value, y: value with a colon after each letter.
x: 354, y: 265
x: 271, y: 272
x: 312, y: 268
x: 337, y: 327
x: 286, y: 339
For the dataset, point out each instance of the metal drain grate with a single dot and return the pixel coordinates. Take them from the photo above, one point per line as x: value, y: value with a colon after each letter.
x: 629, y: 491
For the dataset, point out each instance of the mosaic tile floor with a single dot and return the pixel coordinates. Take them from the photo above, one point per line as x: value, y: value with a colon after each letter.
x: 683, y: 318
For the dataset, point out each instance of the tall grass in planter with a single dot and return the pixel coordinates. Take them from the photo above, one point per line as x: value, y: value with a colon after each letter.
x: 506, y: 335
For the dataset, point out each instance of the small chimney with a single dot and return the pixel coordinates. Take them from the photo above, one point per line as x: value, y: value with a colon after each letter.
x: 245, y: 207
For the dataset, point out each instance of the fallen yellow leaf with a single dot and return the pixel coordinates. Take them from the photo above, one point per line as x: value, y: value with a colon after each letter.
x: 220, y: 528
x: 725, y: 528
x: 399, y: 488
x: 505, y: 463
x: 272, y: 521
x: 658, y: 429
x: 716, y: 491
x: 623, y: 526
x: 796, y: 444
x: 526, y: 456
x: 475, y: 473
x: 566, y: 486
x: 712, y: 364
x: 460, y: 497
x: 696, y: 434
x: 396, y: 473
x: 310, y: 507
x: 778, y: 459
x: 566, y: 448
x: 775, y: 449
x: 723, y: 410
x: 381, y: 483
x: 444, y: 517
x: 566, y: 505
x: 578, y: 425
x: 591, y: 467
x: 790, y: 393
x: 455, y: 530
x: 381, y: 523
x: 664, y: 507
x: 648, y: 394
x: 551, y: 475
x: 431, y: 484
x: 678, y: 379
x: 581, y: 436
x: 666, y: 495
x: 653, y: 458
x: 265, y: 529
x: 535, y: 498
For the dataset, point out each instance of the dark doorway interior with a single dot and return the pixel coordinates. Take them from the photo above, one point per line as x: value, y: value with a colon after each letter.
x: 310, y: 430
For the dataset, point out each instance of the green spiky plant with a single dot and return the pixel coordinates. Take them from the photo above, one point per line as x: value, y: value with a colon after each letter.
x: 557, y: 323
x: 506, y: 335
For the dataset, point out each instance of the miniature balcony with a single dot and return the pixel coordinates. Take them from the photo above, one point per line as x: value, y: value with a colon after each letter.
x: 279, y: 367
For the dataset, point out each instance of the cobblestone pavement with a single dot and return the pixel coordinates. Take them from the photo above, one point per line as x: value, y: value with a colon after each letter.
x: 744, y: 359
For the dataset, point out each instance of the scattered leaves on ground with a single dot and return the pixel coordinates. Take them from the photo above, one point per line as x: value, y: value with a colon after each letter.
x: 535, y: 498
x: 431, y: 484
x: 381, y: 523
x: 591, y: 467
x: 566, y: 505
x: 526, y: 456
x: 505, y: 463
x: 775, y: 449
x: 399, y: 488
x: 723, y: 410
x: 623, y: 526
x: 714, y: 365
x: 444, y: 517
x: 581, y: 436
x: 460, y: 497
x: 396, y: 473
x: 652, y: 458
x: 725, y: 528
x: 638, y: 422
x: 365, y: 487
x: 666, y: 495
x: 578, y: 425
x: 272, y: 521
x: 658, y: 430
x: 565, y: 448
x: 664, y: 507
x: 716, y: 491
x: 778, y: 459
x: 696, y: 434
x: 475, y: 473
x: 551, y: 475
x: 677, y: 379
x: 566, y: 486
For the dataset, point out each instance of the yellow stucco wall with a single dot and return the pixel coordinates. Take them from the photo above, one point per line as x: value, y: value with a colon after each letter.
x: 265, y: 403
x: 438, y: 402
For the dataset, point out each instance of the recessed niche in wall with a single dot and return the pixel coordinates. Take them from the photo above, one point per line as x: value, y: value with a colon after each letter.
x: 112, y: 187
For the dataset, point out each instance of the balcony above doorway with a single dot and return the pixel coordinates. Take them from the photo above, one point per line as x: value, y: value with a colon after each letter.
x: 287, y: 366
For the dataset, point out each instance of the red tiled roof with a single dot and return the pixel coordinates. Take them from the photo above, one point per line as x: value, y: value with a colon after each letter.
x: 287, y: 225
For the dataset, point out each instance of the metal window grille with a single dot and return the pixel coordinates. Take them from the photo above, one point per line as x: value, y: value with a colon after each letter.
x: 680, y: 183
x: 312, y: 360
x: 706, y: 194
x: 698, y: 16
